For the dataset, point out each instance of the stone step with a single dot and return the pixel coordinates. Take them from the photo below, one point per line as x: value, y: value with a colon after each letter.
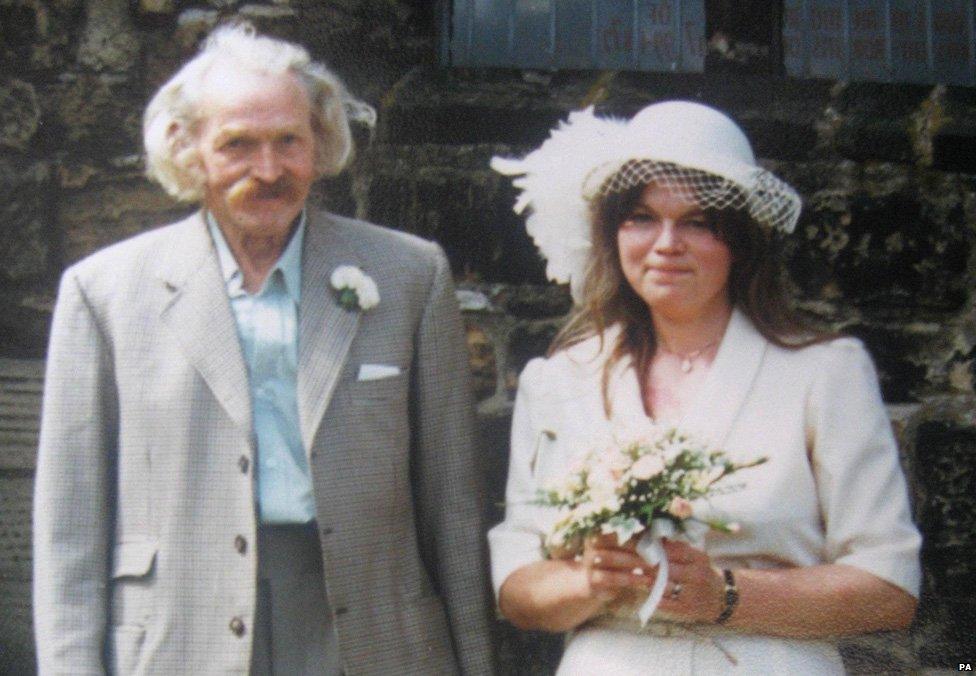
x: 21, y: 386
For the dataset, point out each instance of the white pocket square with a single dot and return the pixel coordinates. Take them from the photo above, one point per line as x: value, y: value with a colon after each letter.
x: 376, y: 371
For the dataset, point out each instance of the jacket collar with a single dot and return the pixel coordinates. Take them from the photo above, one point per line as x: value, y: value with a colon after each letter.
x: 202, y: 322
x: 728, y: 383
x: 326, y: 329
x: 198, y: 313
x: 713, y: 412
x: 289, y: 263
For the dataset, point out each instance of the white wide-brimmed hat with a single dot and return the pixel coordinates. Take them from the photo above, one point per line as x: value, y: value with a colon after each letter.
x: 687, y: 146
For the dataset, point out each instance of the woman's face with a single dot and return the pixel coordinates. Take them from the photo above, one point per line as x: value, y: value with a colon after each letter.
x: 671, y: 257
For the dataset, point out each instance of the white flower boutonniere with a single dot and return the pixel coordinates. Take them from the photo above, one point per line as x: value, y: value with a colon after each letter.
x: 356, y: 290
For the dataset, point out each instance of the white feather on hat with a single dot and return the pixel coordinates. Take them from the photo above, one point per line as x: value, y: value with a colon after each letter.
x: 551, y: 179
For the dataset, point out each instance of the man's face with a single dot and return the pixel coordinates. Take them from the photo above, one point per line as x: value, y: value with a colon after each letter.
x: 257, y: 149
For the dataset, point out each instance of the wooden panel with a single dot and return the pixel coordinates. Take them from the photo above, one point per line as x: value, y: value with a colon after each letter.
x: 870, y: 53
x: 660, y: 35
x: 909, y: 41
x: 574, y: 33
x: 952, y: 41
x: 923, y: 41
x: 532, y: 33
x: 796, y: 44
x: 827, y: 27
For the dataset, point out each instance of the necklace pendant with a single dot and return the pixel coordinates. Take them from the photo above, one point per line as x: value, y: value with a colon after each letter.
x: 686, y: 365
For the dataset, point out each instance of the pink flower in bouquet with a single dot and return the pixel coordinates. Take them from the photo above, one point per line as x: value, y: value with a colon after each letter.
x: 680, y: 508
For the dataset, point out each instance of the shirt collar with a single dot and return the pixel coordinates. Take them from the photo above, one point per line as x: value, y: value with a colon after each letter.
x: 289, y: 263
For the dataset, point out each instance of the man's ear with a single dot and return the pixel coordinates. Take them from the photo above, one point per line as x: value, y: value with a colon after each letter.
x: 182, y: 142
x: 176, y: 136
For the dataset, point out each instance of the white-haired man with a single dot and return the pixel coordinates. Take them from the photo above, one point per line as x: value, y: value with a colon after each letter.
x: 256, y: 452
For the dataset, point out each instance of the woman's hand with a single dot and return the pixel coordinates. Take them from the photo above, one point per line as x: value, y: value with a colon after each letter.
x: 696, y: 589
x: 561, y: 594
x: 614, y: 570
x: 803, y: 602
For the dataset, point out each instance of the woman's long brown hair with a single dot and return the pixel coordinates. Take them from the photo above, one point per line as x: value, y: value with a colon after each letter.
x: 757, y: 286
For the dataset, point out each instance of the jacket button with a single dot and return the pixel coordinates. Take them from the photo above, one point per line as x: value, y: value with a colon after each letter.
x: 326, y: 530
x: 243, y: 463
x: 237, y: 626
x: 240, y: 544
x: 341, y: 610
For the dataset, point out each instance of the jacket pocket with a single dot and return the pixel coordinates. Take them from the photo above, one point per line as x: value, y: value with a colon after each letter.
x: 379, y: 389
x: 133, y: 559
x: 133, y: 582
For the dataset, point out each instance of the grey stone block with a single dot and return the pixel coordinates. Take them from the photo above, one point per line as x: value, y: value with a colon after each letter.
x: 112, y: 209
x: 19, y: 114
x: 422, y: 190
x: 892, y: 243
x: 25, y: 215
x: 91, y: 117
x: 109, y: 41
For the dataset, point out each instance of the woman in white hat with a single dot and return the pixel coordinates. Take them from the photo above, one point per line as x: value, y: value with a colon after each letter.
x: 662, y: 227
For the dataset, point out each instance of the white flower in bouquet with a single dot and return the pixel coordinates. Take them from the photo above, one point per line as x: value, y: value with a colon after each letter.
x: 602, y: 483
x: 647, y: 466
x: 568, y: 486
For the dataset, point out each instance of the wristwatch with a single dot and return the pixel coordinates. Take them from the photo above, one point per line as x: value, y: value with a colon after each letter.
x: 731, y: 597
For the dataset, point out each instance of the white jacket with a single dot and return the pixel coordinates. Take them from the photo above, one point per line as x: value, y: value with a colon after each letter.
x: 832, y: 491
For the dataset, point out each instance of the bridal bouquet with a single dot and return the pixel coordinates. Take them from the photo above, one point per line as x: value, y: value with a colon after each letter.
x: 643, y: 487
x: 624, y: 488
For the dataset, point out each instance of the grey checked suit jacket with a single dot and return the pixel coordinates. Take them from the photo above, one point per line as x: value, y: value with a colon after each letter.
x: 145, y: 484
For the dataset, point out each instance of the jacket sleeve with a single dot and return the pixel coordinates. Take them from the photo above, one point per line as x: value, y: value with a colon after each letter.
x: 517, y: 541
x: 863, y: 497
x: 447, y: 474
x: 73, y: 490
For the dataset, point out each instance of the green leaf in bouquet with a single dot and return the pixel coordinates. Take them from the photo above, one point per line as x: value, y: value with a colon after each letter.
x: 624, y: 527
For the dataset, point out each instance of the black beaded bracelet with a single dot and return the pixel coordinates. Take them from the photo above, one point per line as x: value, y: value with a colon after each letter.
x: 731, y: 597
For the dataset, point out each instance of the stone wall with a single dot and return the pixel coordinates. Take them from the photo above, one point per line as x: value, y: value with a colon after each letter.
x: 884, y: 250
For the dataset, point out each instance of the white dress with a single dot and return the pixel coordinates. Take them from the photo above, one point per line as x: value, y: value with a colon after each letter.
x: 831, y: 492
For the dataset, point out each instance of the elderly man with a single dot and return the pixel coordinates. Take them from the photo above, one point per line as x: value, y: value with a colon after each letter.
x: 256, y: 450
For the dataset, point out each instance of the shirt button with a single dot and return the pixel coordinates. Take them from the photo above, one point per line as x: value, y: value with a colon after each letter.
x: 243, y: 463
x: 240, y: 544
x: 237, y: 626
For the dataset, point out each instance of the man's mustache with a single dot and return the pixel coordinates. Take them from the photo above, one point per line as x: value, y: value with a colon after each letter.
x: 251, y: 188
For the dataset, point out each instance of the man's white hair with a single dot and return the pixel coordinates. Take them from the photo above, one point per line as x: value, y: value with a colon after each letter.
x: 172, y: 120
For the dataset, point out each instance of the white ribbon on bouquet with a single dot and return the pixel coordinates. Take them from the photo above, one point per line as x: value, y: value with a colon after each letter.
x: 651, y: 549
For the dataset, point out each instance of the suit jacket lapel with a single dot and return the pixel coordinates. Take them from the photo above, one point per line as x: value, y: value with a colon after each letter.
x: 201, y: 319
x: 729, y: 381
x: 713, y: 411
x: 326, y: 329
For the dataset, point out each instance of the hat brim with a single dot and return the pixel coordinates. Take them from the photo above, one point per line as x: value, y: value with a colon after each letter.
x: 772, y: 202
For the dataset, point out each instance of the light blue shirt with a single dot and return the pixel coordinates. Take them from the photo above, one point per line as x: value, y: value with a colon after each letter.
x: 267, y: 324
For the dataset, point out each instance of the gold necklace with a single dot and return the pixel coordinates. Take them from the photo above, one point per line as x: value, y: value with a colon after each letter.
x: 688, y: 358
